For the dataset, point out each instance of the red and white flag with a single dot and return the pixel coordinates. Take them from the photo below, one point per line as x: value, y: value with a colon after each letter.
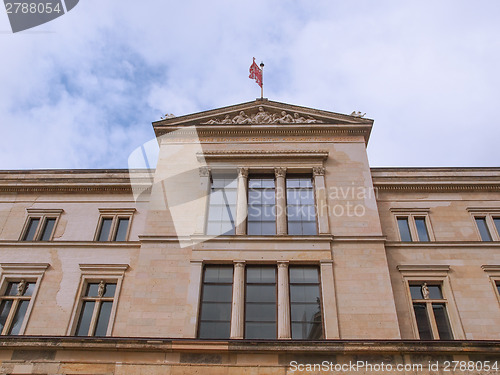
x: 256, y: 73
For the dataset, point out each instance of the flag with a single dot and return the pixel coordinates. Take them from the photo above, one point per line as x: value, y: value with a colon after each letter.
x: 256, y: 73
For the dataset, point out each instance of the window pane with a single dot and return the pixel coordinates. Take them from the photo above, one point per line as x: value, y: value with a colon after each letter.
x: 498, y: 288
x: 218, y: 274
x: 301, y: 212
x: 404, y: 229
x: 92, y: 290
x: 435, y: 292
x: 421, y: 229
x: 105, y: 228
x: 85, y: 318
x: 260, y: 330
x: 483, y: 229
x: 309, y: 228
x: 121, y: 231
x: 28, y: 291
x: 12, y: 289
x: 261, y: 312
x: 222, y: 206
x: 32, y: 226
x: 424, y: 327
x: 416, y: 292
x: 261, y: 293
x: 17, y: 322
x: 103, y: 319
x: 305, y: 312
x: 306, y: 331
x: 216, y: 311
x: 217, y: 293
x: 496, y: 220
x: 442, y: 322
x: 304, y: 293
x: 47, y: 229
x: 109, y: 290
x: 304, y: 275
x: 261, y: 274
x: 261, y: 207
x: 4, y: 312
x: 214, y: 330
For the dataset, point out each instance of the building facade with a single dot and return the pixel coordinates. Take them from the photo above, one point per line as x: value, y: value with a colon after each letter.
x: 262, y: 243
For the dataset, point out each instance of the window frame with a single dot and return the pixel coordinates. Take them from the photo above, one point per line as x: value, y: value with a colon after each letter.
x: 15, y: 272
x: 217, y: 174
x: 94, y: 273
x: 310, y: 176
x: 411, y: 215
x: 267, y: 176
x: 115, y: 215
x: 432, y: 275
x: 489, y: 215
x: 42, y: 215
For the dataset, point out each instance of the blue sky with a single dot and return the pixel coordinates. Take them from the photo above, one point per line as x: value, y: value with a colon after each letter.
x: 82, y: 90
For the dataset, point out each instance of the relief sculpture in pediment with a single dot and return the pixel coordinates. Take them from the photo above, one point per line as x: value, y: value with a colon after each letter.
x: 264, y: 117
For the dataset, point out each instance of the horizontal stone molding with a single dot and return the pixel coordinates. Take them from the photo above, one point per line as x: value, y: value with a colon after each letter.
x: 262, y: 154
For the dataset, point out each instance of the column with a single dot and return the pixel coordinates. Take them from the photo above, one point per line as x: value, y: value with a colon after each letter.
x: 241, y: 202
x: 281, y: 227
x: 204, y: 192
x: 193, y: 299
x: 284, y: 330
x: 329, y: 303
x: 321, y: 200
x: 238, y: 307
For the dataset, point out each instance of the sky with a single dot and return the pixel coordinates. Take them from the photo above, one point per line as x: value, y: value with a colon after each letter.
x: 82, y: 90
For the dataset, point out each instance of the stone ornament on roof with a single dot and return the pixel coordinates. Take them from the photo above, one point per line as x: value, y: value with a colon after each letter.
x: 264, y: 117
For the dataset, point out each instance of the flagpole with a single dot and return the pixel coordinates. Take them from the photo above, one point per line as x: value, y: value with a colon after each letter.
x: 262, y: 87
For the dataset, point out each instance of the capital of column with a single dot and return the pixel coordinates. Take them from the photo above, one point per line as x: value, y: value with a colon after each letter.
x: 243, y: 172
x: 280, y: 172
x: 283, y: 264
x: 204, y: 171
x: 318, y: 171
x: 239, y: 264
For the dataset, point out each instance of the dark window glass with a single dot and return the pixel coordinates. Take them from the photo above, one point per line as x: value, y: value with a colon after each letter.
x: 435, y: 292
x: 261, y: 206
x: 442, y: 322
x: 483, y: 229
x: 416, y: 292
x: 32, y: 227
x: 19, y: 317
x: 301, y: 211
x: 109, y: 290
x: 424, y: 327
x: 404, y: 229
x: 216, y: 297
x: 260, y: 302
x: 498, y: 288
x: 121, y: 231
x: 5, y: 307
x: 85, y: 318
x: 92, y: 289
x: 496, y: 220
x: 105, y: 229
x: 103, y: 319
x: 421, y: 229
x: 47, y: 229
x: 12, y: 289
x: 222, y: 205
x: 305, y: 303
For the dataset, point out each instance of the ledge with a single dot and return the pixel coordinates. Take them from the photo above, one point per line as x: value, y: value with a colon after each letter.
x: 32, y: 244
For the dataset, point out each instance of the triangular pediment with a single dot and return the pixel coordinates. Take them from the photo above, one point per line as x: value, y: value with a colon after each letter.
x: 262, y: 112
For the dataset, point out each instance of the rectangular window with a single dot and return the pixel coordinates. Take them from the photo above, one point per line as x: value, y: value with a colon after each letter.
x: 216, y: 297
x: 404, y: 229
x: 95, y: 312
x: 301, y: 211
x: 496, y: 220
x: 260, y: 303
x: 40, y: 225
x: 222, y: 205
x: 423, y: 235
x: 261, y: 206
x: 305, y: 303
x: 114, y: 225
x: 483, y: 229
x: 431, y: 316
x: 13, y: 306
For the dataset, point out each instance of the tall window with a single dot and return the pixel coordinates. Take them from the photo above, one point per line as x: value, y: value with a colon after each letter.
x: 260, y: 303
x: 96, y: 307
x: 40, y: 224
x: 215, y: 312
x: 430, y: 311
x: 305, y: 303
x: 301, y: 211
x: 261, y: 206
x: 483, y: 228
x: 114, y: 224
x: 13, y: 306
x: 222, y: 205
x: 413, y: 228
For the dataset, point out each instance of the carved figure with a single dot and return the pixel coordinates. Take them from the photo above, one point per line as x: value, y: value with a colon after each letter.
x: 21, y: 287
x: 227, y: 120
x: 242, y: 118
x: 358, y: 114
x: 101, y: 289
x: 262, y: 117
x: 425, y: 291
x: 285, y: 118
